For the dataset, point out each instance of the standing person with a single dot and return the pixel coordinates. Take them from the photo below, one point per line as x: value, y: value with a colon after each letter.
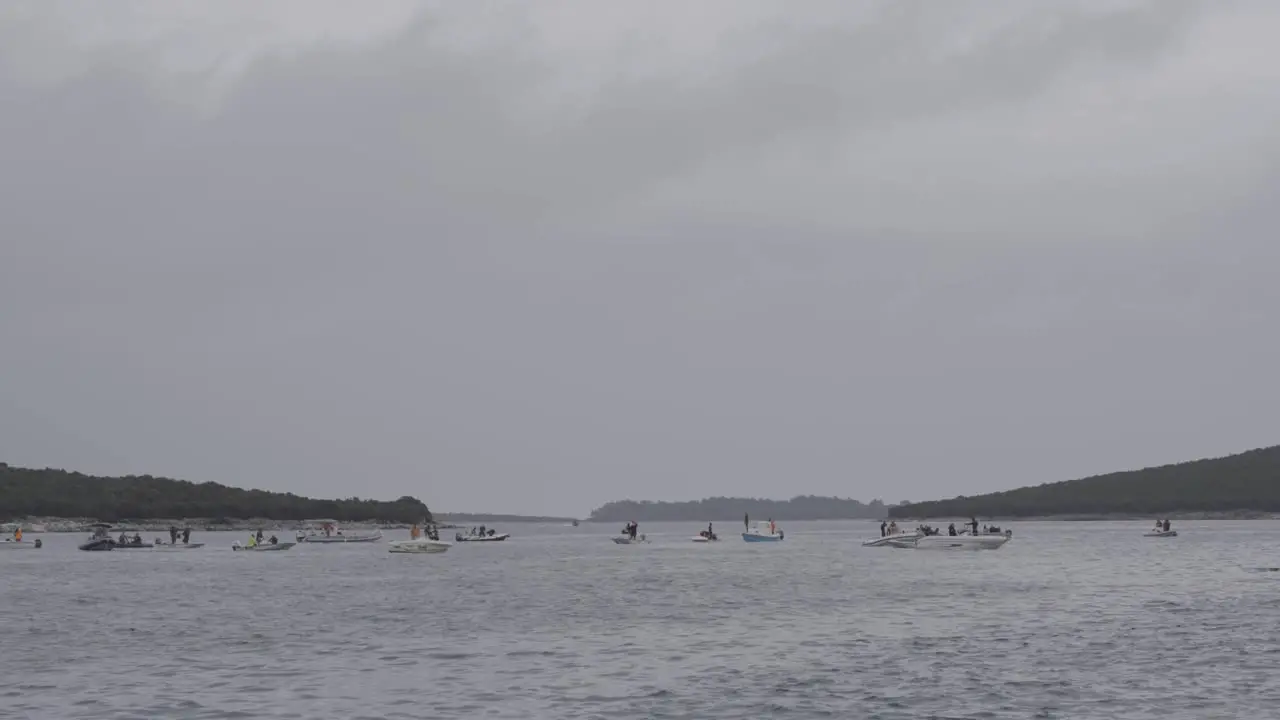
x: 746, y: 521
x: 882, y: 528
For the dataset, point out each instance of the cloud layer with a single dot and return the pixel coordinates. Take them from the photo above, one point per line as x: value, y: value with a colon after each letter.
x: 534, y: 257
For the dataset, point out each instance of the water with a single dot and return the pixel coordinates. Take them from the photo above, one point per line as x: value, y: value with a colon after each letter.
x: 1069, y: 620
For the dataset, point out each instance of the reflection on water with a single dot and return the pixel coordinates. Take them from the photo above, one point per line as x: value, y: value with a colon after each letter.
x: 1069, y: 620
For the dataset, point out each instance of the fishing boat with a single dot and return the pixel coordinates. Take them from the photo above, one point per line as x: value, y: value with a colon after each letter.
x: 327, y: 532
x: 418, y: 546
x: 958, y: 542
x: 1160, y: 533
x: 12, y: 544
x: 262, y: 547
x: 706, y: 536
x: 174, y: 547
x: 480, y: 538
x: 763, y: 532
x: 100, y: 540
x: 626, y: 540
x: 894, y: 539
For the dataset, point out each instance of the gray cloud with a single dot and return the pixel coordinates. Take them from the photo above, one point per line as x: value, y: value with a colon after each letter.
x: 537, y: 257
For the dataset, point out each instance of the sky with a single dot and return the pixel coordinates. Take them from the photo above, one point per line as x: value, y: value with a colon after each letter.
x: 534, y: 257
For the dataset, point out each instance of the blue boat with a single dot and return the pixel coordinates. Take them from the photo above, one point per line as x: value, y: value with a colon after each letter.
x: 762, y: 532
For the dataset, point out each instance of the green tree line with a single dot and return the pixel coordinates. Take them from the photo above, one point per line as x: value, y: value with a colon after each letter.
x: 803, y: 507
x: 57, y: 493
x: 1246, y: 481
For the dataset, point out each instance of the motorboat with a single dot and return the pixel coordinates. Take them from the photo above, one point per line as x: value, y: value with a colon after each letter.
x: 706, y: 536
x: 627, y: 540
x: 420, y: 546
x: 481, y: 538
x: 262, y: 547
x: 895, y: 539
x: 101, y: 540
x: 1160, y: 533
x: 174, y: 547
x: 763, y: 532
x: 12, y: 544
x: 327, y: 532
x: 958, y: 542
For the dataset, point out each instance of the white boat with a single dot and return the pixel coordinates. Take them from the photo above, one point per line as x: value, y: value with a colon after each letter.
x: 11, y: 544
x: 763, y: 532
x: 894, y: 540
x: 958, y: 542
x: 174, y: 547
x: 481, y: 538
x: 327, y: 532
x: 262, y: 547
x: 421, y: 546
x: 1160, y: 533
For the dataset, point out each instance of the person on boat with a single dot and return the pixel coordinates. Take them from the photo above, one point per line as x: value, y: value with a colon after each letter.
x: 259, y: 535
x: 1166, y: 524
x: 635, y: 526
x: 893, y: 527
x: 273, y: 540
x: 17, y: 535
x: 973, y: 522
x: 137, y: 538
x: 173, y: 535
x: 710, y: 533
x: 414, y: 533
x: 773, y: 529
x: 883, y: 528
x: 123, y: 539
x: 186, y: 535
x: 746, y: 521
x: 951, y: 530
x: 253, y: 540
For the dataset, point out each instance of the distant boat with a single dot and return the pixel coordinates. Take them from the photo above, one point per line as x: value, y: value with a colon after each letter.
x: 327, y: 532
x: 1160, y: 533
x: 262, y: 547
x: 762, y: 532
x: 481, y: 538
x: 419, y: 546
x: 173, y: 547
x: 626, y: 540
x: 11, y: 544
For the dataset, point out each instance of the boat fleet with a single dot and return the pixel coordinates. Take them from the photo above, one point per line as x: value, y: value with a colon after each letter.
x: 426, y: 540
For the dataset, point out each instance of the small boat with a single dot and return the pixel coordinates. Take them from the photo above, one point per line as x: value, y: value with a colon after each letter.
x: 481, y: 538
x: 11, y: 544
x: 958, y: 542
x: 174, y: 547
x: 894, y: 539
x: 706, y: 536
x: 626, y: 540
x: 1160, y: 533
x: 327, y: 532
x: 763, y: 532
x: 262, y: 547
x: 419, y: 546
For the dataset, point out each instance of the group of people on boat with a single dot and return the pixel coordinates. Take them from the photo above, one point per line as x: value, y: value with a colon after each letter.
x: 174, y: 534
x: 256, y: 539
x: 708, y: 533
x: 889, y: 528
x: 430, y: 532
x: 126, y: 540
x: 1162, y: 525
x: 631, y: 529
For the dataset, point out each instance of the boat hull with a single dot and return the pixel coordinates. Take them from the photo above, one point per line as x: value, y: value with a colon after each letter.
x: 20, y: 545
x: 339, y: 539
x: 495, y: 538
x: 418, y: 547
x: 960, y: 542
x: 99, y: 545
x: 894, y: 540
x: 1161, y: 534
x: 267, y: 547
x: 627, y: 541
x: 754, y: 538
x: 178, y: 546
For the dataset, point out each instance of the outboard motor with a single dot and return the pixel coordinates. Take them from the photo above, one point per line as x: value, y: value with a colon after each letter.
x: 39, y: 543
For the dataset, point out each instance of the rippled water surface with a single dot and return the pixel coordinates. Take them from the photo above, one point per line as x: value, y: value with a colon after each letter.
x: 1069, y: 620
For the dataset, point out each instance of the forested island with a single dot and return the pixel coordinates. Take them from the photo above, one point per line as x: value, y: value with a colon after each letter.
x: 60, y: 494
x: 801, y: 507
x: 1245, y: 483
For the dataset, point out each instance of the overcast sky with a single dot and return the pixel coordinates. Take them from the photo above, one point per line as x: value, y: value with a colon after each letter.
x: 532, y: 257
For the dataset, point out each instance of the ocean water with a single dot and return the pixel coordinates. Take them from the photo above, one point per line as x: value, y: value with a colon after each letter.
x: 1069, y: 620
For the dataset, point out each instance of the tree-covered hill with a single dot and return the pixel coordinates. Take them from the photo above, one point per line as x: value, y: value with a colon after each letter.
x: 807, y: 507
x: 58, y: 493
x: 1247, y: 481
